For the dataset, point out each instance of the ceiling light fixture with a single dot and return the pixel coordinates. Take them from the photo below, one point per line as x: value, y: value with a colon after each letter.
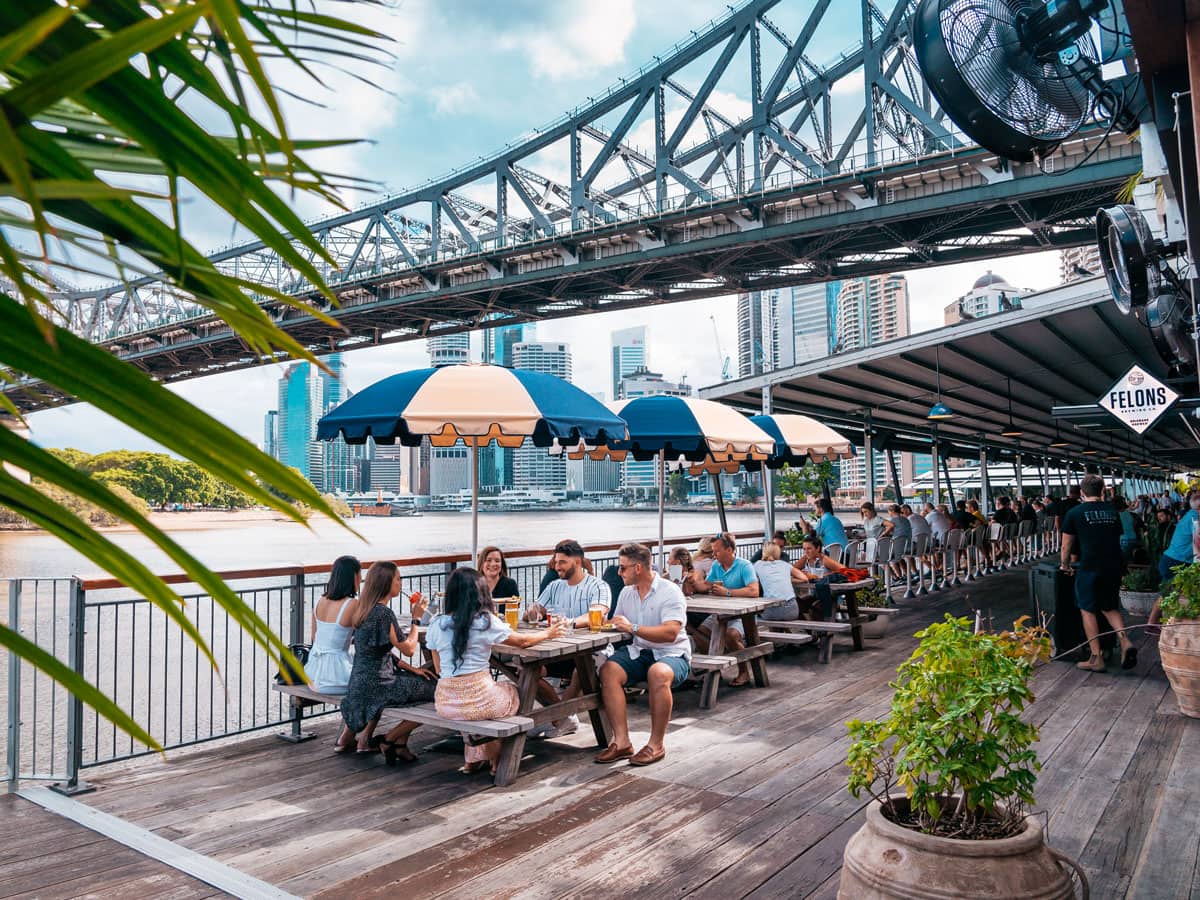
x: 939, y: 411
x: 1012, y: 430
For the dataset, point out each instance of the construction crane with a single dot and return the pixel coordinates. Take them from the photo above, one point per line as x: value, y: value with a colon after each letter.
x: 725, y: 373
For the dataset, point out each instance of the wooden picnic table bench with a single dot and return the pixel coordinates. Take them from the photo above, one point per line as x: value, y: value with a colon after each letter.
x: 791, y: 631
x: 755, y: 652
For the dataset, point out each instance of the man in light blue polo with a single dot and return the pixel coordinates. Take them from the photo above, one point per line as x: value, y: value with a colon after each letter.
x: 828, y: 526
x: 730, y: 576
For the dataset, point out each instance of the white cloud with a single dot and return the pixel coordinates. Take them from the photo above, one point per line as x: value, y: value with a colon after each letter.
x: 582, y: 39
x: 453, y: 98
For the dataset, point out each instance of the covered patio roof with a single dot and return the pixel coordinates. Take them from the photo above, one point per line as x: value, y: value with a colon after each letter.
x: 1065, y: 347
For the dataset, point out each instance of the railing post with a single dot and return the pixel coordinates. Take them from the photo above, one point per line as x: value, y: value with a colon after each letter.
x: 296, y: 636
x: 75, y: 654
x: 13, y: 757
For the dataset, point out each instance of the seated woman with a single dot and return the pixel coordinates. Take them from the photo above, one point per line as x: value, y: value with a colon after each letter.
x: 461, y: 642
x: 378, y: 679
x: 703, y: 559
x: 776, y: 575
x: 821, y: 571
x: 873, y: 525
x: 494, y: 567
x: 680, y: 556
x: 329, y: 661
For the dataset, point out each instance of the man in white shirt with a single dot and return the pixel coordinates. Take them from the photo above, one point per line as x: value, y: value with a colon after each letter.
x: 939, y: 521
x: 653, y: 610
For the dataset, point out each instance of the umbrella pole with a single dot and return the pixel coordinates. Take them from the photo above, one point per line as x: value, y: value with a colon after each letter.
x: 662, y: 485
x: 474, y: 500
x: 716, y: 480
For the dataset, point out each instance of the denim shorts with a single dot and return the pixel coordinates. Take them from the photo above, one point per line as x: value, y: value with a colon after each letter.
x: 637, y: 668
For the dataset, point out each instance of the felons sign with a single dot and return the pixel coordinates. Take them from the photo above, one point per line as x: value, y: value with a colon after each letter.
x: 1138, y: 399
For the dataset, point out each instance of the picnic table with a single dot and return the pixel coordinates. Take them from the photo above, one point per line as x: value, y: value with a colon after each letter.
x: 524, y: 666
x: 785, y: 631
x: 755, y: 652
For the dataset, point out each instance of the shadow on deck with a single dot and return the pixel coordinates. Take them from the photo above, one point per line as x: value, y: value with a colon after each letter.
x: 751, y: 799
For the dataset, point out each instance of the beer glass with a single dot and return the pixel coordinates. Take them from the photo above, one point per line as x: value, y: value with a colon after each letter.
x: 596, y: 616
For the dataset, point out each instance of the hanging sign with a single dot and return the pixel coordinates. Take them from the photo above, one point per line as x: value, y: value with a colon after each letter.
x: 1138, y: 399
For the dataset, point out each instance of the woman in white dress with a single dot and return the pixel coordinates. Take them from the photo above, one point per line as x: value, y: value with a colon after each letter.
x: 329, y: 659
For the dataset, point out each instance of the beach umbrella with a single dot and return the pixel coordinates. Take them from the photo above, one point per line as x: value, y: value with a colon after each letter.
x: 477, y: 404
x: 680, y: 430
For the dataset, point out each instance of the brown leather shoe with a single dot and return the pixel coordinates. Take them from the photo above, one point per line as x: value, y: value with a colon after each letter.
x: 647, y: 756
x: 614, y: 753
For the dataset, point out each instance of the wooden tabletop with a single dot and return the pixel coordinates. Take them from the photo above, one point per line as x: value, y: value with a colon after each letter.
x: 581, y: 641
x: 730, y: 606
x: 839, y: 588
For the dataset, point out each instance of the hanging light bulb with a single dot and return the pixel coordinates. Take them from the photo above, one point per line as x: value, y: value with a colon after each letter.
x: 939, y: 411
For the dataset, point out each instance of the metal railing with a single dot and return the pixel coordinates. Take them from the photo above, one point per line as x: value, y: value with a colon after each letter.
x: 133, y: 653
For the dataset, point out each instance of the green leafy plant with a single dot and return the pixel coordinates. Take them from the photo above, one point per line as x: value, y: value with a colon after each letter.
x: 874, y: 597
x: 172, y: 96
x: 1139, y: 578
x: 954, y: 741
x: 1182, y: 600
x: 798, y: 484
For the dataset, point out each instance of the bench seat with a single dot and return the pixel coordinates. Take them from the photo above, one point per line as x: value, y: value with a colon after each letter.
x: 784, y: 632
x: 425, y: 713
x: 704, y: 663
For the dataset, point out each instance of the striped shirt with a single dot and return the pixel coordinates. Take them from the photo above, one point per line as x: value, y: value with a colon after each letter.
x: 562, y: 598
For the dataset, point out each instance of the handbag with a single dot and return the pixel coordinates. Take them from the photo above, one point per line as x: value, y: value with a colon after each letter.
x: 287, y: 673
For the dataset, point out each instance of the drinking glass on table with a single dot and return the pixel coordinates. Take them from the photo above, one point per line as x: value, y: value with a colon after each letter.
x: 596, y: 616
x: 717, y: 589
x: 512, y: 612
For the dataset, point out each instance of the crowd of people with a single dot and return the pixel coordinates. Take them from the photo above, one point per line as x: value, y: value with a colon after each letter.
x: 361, y: 651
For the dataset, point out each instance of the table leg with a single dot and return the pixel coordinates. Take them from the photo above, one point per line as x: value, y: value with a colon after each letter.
x: 855, y: 625
x: 711, y: 681
x: 513, y: 748
x: 758, y: 665
x: 589, y: 683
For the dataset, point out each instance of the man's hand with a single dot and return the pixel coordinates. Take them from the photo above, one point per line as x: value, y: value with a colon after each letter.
x: 535, y: 612
x: 621, y: 624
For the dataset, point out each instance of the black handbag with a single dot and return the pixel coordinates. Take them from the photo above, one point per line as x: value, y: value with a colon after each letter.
x: 288, y: 673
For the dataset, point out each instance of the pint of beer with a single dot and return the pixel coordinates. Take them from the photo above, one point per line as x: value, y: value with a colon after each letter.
x: 512, y: 613
x: 596, y: 617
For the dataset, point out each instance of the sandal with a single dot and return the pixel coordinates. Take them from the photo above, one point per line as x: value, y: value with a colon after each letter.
x: 396, y: 752
x: 740, y: 681
x: 473, y: 768
x: 1129, y: 659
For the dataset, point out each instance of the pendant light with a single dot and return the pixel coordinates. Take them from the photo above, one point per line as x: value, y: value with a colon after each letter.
x: 939, y: 411
x: 1012, y: 430
x: 1058, y: 441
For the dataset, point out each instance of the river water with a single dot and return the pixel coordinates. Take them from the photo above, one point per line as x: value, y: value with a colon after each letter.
x: 268, y: 544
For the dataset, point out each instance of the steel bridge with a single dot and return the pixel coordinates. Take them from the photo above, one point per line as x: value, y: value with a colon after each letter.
x: 832, y: 168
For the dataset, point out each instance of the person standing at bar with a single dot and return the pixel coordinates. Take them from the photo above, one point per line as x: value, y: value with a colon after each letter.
x: 1092, y: 532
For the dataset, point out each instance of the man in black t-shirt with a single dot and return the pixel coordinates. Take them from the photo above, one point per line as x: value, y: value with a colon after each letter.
x: 1004, y: 514
x: 962, y: 518
x: 1091, y: 530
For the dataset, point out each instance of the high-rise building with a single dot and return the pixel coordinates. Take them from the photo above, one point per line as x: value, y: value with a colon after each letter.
x: 449, y: 469
x: 807, y: 316
x: 498, y: 342
x: 449, y: 349
x: 628, y: 354
x: 300, y: 406
x: 758, y: 332
x: 533, y: 467
x: 270, y: 443
x: 640, y: 478
x: 990, y: 294
x: 1079, y: 262
x: 870, y: 310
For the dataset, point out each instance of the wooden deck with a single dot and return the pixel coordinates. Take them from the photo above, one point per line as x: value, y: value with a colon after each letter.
x: 750, y: 801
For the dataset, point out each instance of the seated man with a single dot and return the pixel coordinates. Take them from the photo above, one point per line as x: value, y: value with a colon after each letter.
x: 828, y: 527
x: 653, y: 610
x: 1004, y: 513
x: 779, y: 539
x: 902, y: 535
x: 939, y: 521
x: 568, y: 596
x: 730, y: 576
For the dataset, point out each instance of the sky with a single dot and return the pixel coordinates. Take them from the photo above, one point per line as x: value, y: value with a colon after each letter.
x: 466, y: 77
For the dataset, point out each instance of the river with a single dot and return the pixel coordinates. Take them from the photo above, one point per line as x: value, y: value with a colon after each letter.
x: 267, y: 544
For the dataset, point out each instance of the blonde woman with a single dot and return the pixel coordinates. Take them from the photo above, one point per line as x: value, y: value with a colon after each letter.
x: 704, y: 559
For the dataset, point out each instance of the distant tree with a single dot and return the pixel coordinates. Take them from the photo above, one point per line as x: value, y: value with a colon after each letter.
x: 678, y: 487
x: 805, y: 481
x: 750, y: 492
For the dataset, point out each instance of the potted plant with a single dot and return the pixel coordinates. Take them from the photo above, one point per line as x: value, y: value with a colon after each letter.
x: 951, y: 769
x: 874, y: 597
x: 1179, y: 645
x: 1138, y: 590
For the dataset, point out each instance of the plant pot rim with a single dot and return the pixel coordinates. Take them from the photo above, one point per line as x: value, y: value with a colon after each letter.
x: 1029, y: 838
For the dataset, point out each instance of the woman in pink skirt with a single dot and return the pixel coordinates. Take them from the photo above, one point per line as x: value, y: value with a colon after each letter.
x: 461, y: 641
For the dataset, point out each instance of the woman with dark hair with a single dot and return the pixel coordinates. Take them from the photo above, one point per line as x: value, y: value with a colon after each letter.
x: 329, y: 661
x: 821, y: 571
x: 492, y: 564
x: 378, y: 679
x: 461, y: 642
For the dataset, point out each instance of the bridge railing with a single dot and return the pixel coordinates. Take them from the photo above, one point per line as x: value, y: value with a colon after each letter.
x: 127, y: 647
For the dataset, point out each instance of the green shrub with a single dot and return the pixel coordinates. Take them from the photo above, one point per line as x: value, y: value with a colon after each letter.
x: 1182, y: 600
x: 954, y: 741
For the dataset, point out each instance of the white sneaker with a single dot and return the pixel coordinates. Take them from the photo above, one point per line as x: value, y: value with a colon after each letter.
x: 569, y: 725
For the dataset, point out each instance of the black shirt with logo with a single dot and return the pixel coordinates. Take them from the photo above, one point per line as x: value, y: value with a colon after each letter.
x: 1097, y: 530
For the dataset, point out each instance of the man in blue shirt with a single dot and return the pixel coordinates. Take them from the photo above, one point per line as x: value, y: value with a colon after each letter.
x: 828, y: 527
x: 730, y: 576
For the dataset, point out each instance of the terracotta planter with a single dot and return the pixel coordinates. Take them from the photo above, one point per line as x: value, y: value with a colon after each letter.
x: 1179, y: 647
x: 1138, y: 603
x: 884, y: 861
x: 876, y: 626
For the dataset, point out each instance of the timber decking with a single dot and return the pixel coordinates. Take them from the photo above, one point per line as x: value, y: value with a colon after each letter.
x: 750, y: 800
x: 45, y: 856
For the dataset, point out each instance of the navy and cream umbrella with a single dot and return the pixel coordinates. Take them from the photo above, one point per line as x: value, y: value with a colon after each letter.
x: 684, y: 429
x: 477, y: 404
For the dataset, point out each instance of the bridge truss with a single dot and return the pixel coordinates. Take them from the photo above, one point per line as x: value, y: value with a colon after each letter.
x: 766, y: 165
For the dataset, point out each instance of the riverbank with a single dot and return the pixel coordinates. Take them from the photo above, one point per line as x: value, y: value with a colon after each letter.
x: 182, y: 520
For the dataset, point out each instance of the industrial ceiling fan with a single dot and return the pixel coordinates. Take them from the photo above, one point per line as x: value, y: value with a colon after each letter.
x: 1018, y: 76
